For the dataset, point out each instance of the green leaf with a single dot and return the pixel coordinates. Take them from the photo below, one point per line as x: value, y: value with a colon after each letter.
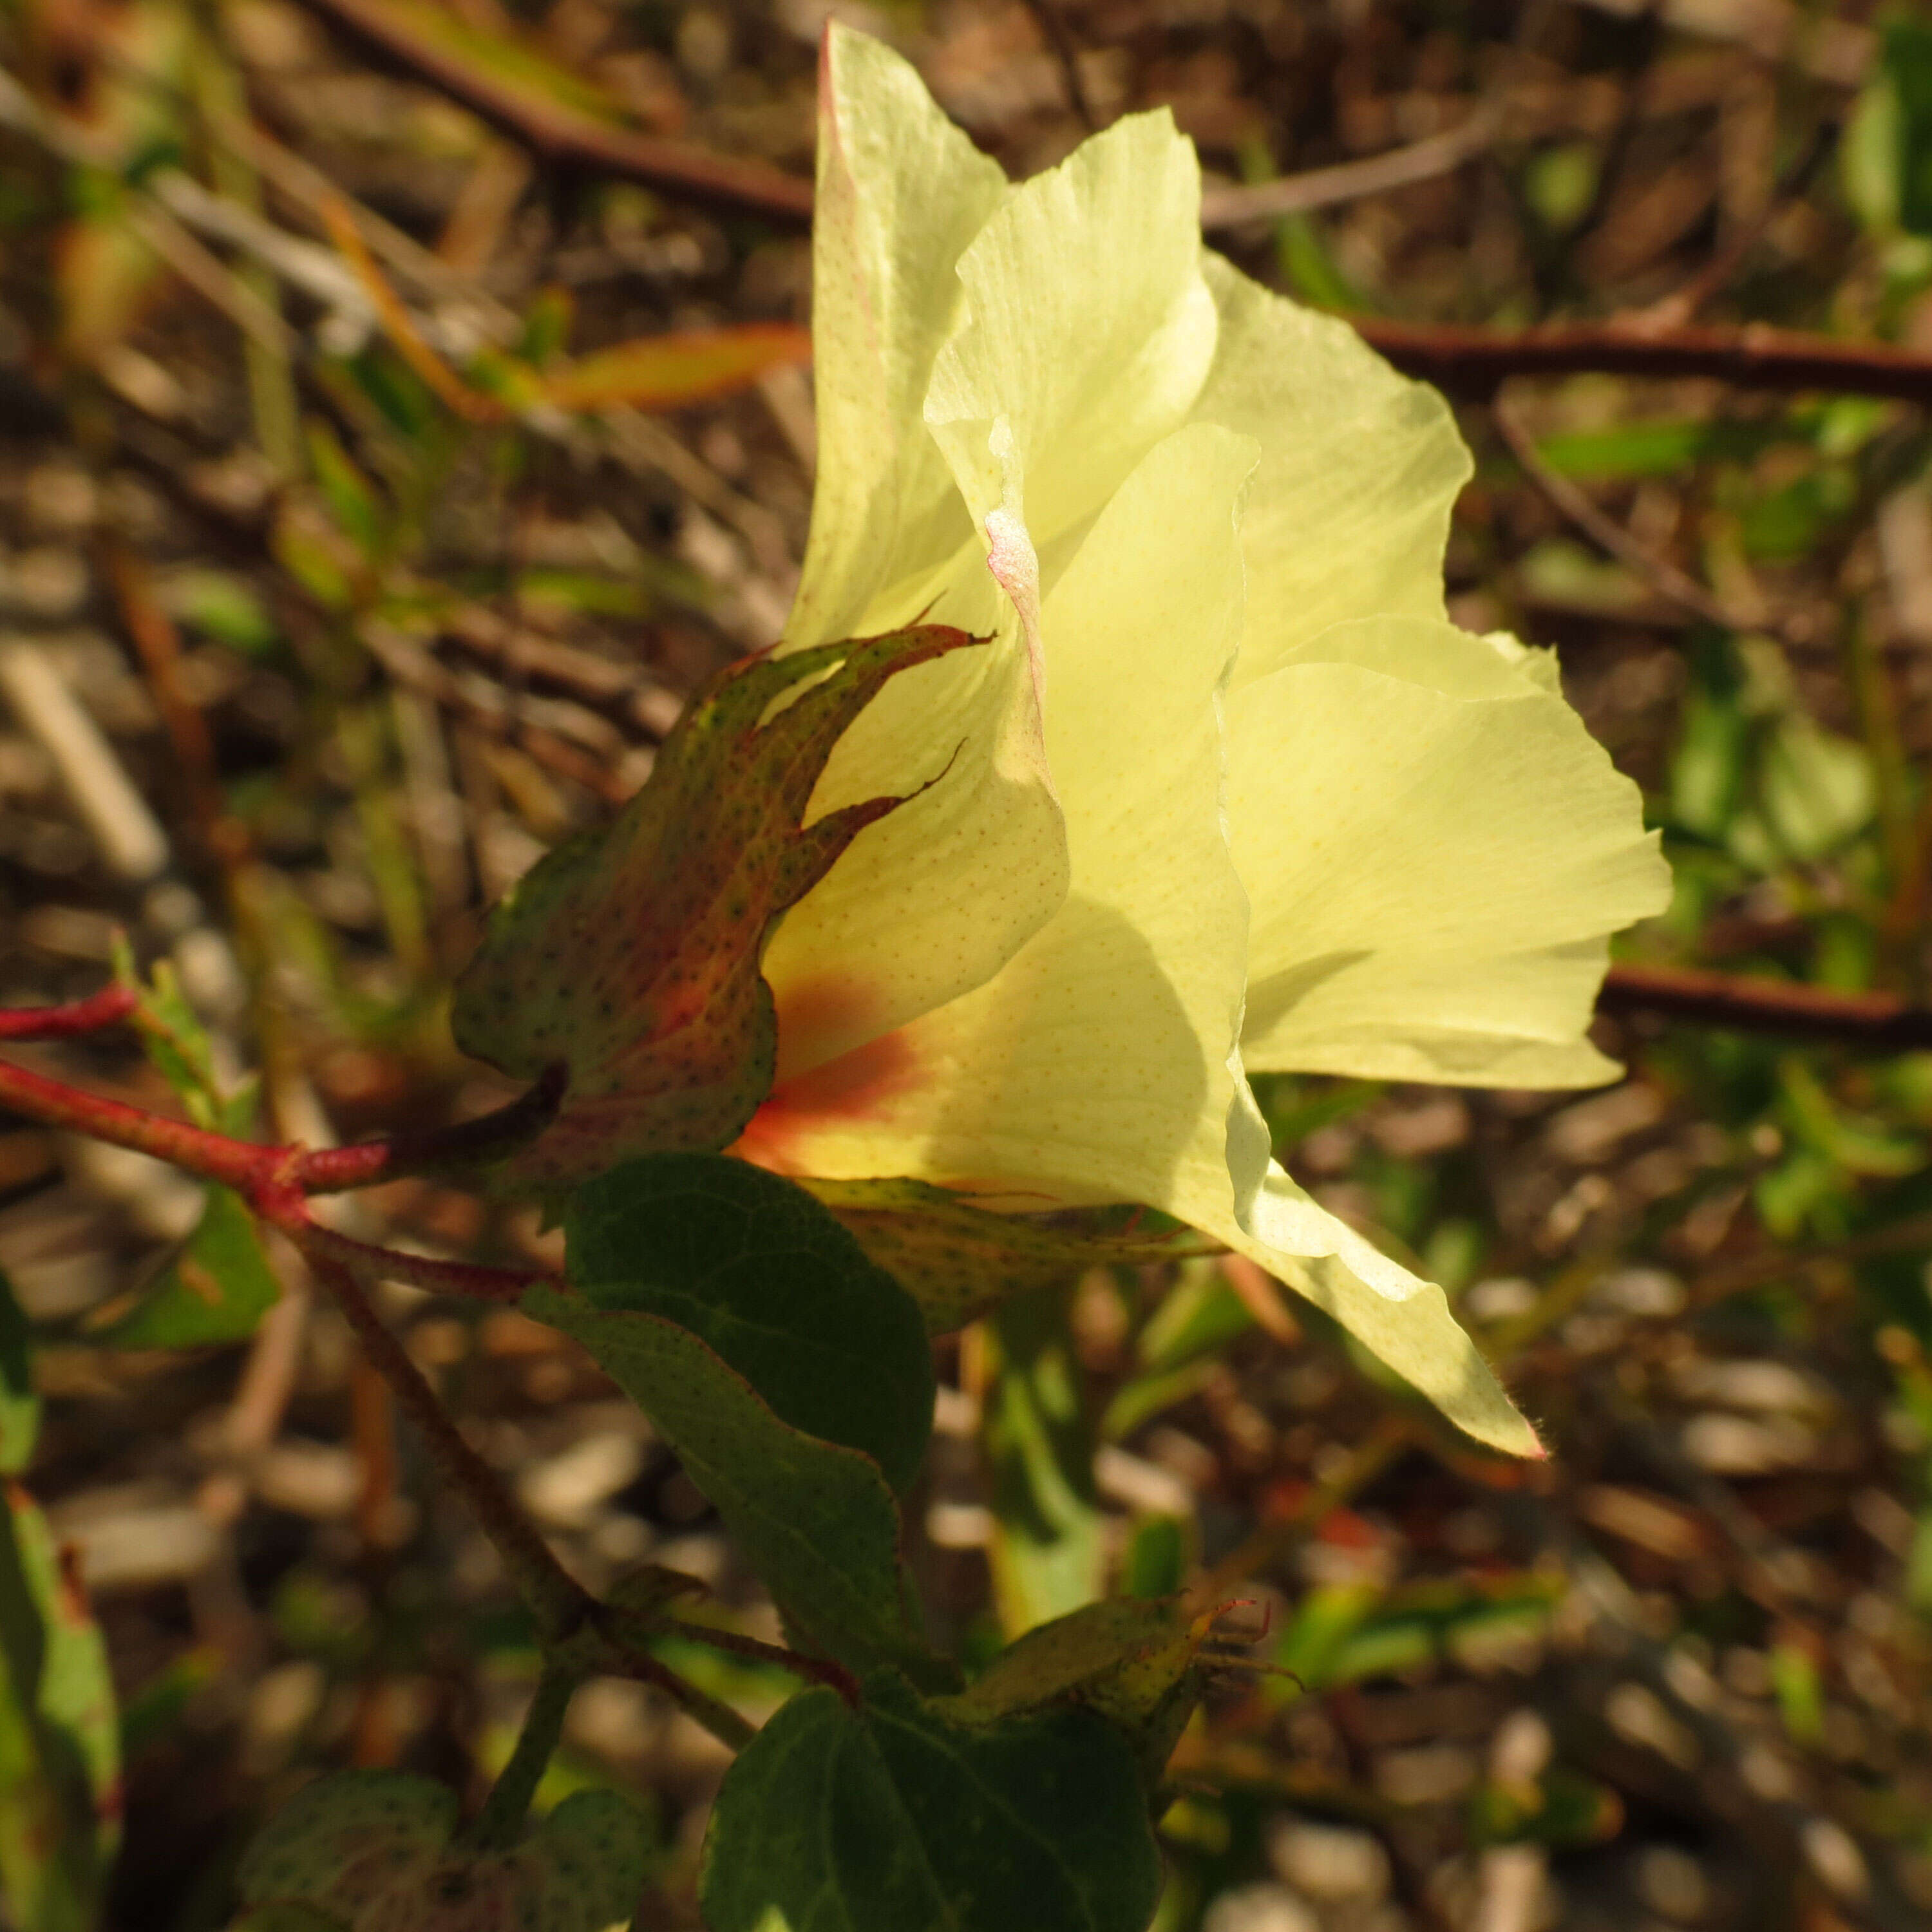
x: 225, y: 608
x: 1047, y: 1553
x: 957, y: 1261
x: 351, y: 499
x: 60, y: 1792
x: 379, y: 1848
x: 215, y: 1291
x: 178, y: 1046
x: 629, y: 957
x: 816, y: 1519
x: 1201, y: 1314
x: 754, y: 1265
x: 1908, y: 66
x: 895, y: 1815
x: 1158, y: 1553
x: 19, y: 1404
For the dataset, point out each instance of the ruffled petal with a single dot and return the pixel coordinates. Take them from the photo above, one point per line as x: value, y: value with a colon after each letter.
x: 1086, y: 331
x: 935, y: 897
x: 1437, y: 849
x: 901, y: 192
x: 1349, y: 508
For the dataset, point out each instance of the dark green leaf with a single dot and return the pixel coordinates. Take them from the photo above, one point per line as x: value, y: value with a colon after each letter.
x: 758, y: 1268
x: 895, y: 1816
x: 1908, y: 63
x: 216, y: 1290
x: 60, y: 1793
x: 19, y: 1405
x: 817, y: 1520
x: 629, y: 956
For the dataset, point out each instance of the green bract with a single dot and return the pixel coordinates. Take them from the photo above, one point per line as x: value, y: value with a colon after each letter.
x: 1227, y: 790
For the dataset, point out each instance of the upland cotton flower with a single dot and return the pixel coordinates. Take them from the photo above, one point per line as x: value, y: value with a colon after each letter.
x: 1227, y: 792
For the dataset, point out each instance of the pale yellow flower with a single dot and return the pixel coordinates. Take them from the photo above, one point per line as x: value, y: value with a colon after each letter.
x: 1228, y: 792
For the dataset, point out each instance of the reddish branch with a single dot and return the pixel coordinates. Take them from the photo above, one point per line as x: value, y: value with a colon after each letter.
x: 1468, y: 362
x: 1475, y: 362
x: 248, y: 1165
x: 469, y: 1144
x: 106, y: 1008
x: 561, y: 133
x: 1875, y: 1020
x: 471, y: 1279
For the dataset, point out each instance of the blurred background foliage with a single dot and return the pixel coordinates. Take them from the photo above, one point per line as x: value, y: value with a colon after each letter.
x: 380, y: 474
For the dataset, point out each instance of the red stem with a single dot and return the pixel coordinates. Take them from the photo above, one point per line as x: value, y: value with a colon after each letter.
x: 232, y: 1163
x: 248, y: 1166
x: 441, y: 1277
x: 468, y: 1144
x: 106, y: 1008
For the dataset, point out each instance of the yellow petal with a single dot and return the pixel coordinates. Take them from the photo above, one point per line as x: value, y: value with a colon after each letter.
x: 1087, y: 330
x: 1436, y: 849
x: 916, y: 912
x: 1349, y: 508
x: 1402, y: 1319
x: 902, y: 192
x: 1095, y: 1062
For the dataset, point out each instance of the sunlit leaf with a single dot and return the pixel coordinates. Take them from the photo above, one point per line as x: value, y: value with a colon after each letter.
x: 1047, y: 1553
x: 60, y: 1791
x: 215, y: 1291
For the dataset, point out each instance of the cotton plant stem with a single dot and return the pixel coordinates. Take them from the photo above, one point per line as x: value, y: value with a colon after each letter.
x: 557, y: 1603
x: 565, y: 134
x: 248, y: 1165
x: 501, y: 1820
x: 471, y: 1143
x: 231, y: 1163
x: 109, y: 1007
x: 1879, y: 1022
x: 470, y: 1279
x: 813, y: 1670
x: 1473, y: 362
x: 711, y: 1713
